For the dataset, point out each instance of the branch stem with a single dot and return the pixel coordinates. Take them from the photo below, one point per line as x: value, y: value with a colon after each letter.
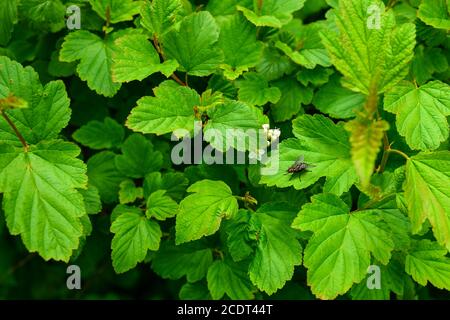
x: 163, y: 57
x: 404, y: 155
x: 178, y: 80
x: 16, y: 131
x: 385, y: 158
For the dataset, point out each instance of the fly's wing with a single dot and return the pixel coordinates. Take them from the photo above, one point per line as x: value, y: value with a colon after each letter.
x: 309, y: 166
x: 300, y: 160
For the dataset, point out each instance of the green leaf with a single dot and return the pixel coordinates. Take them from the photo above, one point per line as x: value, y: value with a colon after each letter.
x: 435, y: 13
x: 100, y: 135
x: 230, y: 278
x: 271, y: 13
x: 160, y: 206
x: 233, y: 116
x: 308, y: 49
x: 428, y: 61
x: 337, y: 101
x: 194, y: 291
x: 134, y: 235
x: 159, y: 15
x: 138, y: 157
x: 104, y: 175
x: 57, y: 68
x: 92, y: 200
x: 226, y: 7
x: 128, y: 192
x: 273, y: 65
x: 238, y: 42
x: 44, y: 14
x: 397, y: 221
x: 427, y: 262
x: 339, y: 252
x: 238, y: 240
x: 317, y: 77
x: 48, y: 109
x: 325, y: 147
x: 293, y: 96
x: 116, y: 10
x: 194, y: 44
x: 391, y: 280
x: 277, y: 249
x: 8, y: 17
x: 95, y: 55
x: 174, y: 183
x: 121, y: 209
x: 254, y: 89
x: 369, y: 57
x: 428, y: 177
x: 171, y: 108
x: 40, y: 197
x: 87, y: 229
x: 366, y: 139
x: 136, y: 59
x: 202, y: 212
x: 421, y: 113
x: 191, y: 260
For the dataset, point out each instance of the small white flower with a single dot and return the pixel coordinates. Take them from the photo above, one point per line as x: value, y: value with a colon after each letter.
x: 275, y: 134
x: 266, y: 127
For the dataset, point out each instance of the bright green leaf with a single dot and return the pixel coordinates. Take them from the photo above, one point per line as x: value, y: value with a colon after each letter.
x: 238, y: 42
x: 134, y: 235
x: 95, y: 55
x: 92, y: 200
x: 238, y: 118
x: 40, y: 196
x: 159, y: 15
x: 325, y: 147
x: 427, y: 193
x: 254, y: 89
x: 48, y: 109
x: 136, y: 59
x: 128, y: 192
x: 171, y: 108
x: 160, y: 206
x: 116, y: 10
x: 367, y: 54
x: 427, y: 262
x: 421, y: 113
x: 230, y: 278
x: 271, y: 13
x: 277, y: 249
x: 435, y: 13
x: 193, y: 45
x: 202, y: 212
x: 309, y: 50
x: 339, y: 253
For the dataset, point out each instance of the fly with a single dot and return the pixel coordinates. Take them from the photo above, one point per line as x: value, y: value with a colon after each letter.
x: 299, y: 166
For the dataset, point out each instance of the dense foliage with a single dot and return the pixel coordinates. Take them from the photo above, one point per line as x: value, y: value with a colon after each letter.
x: 358, y: 90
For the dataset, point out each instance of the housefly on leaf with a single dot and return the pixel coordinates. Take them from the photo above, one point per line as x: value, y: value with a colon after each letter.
x: 299, y: 166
